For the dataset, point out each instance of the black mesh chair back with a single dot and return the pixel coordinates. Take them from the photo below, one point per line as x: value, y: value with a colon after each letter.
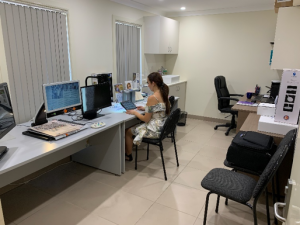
x: 273, y: 165
x: 222, y: 91
x: 172, y: 101
x: 170, y: 124
x: 168, y: 129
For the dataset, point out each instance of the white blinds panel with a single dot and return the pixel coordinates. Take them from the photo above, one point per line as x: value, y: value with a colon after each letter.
x: 52, y: 44
x: 65, y: 48
x: 47, y: 47
x: 37, y: 50
x: 60, y: 47
x: 28, y: 85
x: 7, y: 22
x: 13, y: 33
x: 55, y: 28
x: 42, y: 46
x: 33, y: 60
x: 21, y: 72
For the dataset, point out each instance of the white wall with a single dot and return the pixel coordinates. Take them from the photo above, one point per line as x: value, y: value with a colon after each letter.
x: 236, y: 46
x: 91, y: 34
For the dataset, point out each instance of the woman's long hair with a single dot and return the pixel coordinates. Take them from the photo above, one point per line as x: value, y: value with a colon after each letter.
x: 164, y: 89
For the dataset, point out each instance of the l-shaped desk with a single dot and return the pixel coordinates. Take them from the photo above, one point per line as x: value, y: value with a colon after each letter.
x: 102, y: 148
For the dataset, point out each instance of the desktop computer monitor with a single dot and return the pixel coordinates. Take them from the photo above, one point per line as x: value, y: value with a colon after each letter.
x: 60, y: 96
x: 94, y: 98
x: 7, y: 120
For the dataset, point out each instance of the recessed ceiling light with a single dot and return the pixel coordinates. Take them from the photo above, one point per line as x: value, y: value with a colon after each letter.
x: 182, y: 8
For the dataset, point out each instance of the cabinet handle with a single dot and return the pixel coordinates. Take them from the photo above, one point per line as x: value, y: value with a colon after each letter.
x: 178, y: 88
x: 171, y: 49
x: 276, y: 205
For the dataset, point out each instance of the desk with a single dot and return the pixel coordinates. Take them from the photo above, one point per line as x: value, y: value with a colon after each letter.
x: 243, y: 112
x: 102, y: 148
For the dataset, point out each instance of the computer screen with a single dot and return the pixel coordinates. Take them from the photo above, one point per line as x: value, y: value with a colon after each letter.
x: 62, y: 95
x: 95, y: 97
x: 7, y: 120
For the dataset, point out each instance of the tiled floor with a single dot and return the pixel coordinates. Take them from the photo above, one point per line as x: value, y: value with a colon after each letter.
x: 78, y: 194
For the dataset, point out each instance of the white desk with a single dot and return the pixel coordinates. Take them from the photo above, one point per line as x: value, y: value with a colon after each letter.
x: 102, y: 148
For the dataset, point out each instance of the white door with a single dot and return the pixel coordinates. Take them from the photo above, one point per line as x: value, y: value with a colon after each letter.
x: 291, y: 213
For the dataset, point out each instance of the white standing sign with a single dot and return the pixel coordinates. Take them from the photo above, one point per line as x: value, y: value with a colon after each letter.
x: 287, y: 109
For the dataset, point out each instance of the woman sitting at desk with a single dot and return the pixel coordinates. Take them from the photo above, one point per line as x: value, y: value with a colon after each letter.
x: 156, y: 111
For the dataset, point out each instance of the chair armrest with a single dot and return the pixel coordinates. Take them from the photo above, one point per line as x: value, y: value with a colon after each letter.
x: 239, y: 95
x: 228, y: 98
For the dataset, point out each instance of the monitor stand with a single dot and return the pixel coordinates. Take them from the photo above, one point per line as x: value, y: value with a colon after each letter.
x: 92, y: 115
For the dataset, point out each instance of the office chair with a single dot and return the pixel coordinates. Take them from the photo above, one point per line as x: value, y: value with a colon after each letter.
x: 172, y: 102
x: 224, y: 102
x: 241, y: 188
x: 256, y: 173
x: 168, y: 129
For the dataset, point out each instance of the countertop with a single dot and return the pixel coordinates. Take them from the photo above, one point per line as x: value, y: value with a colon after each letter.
x: 180, y: 82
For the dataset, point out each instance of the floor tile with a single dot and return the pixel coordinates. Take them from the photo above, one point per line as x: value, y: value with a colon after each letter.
x: 214, y: 152
x: 79, y: 169
x: 161, y: 215
x: 63, y: 213
x: 219, y: 142
x: 184, y: 157
x: 191, y: 177
x: 146, y: 187
x: 195, y: 137
x: 107, y: 202
x: 187, y: 146
x: 200, y: 222
x: 183, y: 199
x: 56, y: 181
x: 221, y: 134
x: 22, y: 202
x: 232, y: 214
x: 206, y: 163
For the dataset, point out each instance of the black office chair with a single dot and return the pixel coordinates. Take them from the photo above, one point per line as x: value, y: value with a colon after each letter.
x: 224, y: 102
x: 241, y: 188
x: 168, y: 129
x: 172, y: 102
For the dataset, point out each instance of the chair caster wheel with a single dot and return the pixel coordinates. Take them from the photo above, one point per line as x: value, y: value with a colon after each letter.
x: 215, y: 128
x: 226, y: 134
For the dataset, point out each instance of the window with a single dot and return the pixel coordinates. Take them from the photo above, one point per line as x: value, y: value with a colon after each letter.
x: 37, y: 53
x: 128, y: 50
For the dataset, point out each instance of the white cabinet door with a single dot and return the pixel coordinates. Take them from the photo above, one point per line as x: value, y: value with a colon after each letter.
x: 161, y: 35
x: 287, y: 44
x: 179, y: 91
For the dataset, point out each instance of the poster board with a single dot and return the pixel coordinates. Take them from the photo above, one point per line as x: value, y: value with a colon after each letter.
x: 287, y: 109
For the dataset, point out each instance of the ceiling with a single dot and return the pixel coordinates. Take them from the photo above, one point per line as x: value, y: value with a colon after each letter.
x: 197, y: 7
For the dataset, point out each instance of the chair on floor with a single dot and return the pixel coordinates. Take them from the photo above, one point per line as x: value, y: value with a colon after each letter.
x: 172, y: 102
x: 224, y: 102
x: 168, y: 129
x: 241, y: 188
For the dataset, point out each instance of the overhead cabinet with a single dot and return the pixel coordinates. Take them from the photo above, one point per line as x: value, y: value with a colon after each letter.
x: 161, y: 35
x: 287, y: 45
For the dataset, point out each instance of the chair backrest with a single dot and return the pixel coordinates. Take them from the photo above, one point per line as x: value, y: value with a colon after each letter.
x: 172, y: 101
x: 222, y: 91
x: 170, y: 124
x: 287, y: 142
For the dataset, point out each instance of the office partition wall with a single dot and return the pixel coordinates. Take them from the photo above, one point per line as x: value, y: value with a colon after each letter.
x: 37, y: 52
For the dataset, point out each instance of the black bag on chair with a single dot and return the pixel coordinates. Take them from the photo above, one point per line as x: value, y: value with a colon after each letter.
x: 251, y: 150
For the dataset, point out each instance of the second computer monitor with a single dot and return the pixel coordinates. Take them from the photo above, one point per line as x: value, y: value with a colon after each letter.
x: 94, y: 98
x: 60, y: 96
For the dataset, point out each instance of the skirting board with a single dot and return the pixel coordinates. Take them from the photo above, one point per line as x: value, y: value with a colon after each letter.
x: 208, y: 119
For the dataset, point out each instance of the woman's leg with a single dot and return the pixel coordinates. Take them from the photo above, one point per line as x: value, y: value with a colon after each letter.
x: 128, y: 141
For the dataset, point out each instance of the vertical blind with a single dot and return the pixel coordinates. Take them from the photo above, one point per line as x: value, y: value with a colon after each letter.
x: 128, y: 51
x: 37, y: 53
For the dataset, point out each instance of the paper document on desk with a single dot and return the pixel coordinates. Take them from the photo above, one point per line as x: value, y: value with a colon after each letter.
x: 247, y: 103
